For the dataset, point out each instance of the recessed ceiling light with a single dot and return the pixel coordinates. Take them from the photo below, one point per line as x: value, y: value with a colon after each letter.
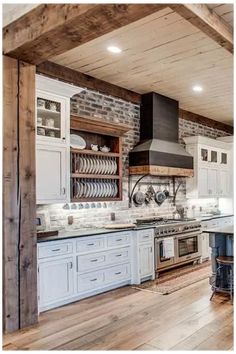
x: 114, y: 49
x: 197, y: 88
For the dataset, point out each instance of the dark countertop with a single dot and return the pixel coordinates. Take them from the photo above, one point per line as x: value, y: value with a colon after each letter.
x: 207, y: 218
x: 224, y: 231
x: 65, y: 234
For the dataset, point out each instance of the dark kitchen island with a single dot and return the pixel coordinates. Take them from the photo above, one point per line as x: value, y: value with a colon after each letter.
x: 221, y: 243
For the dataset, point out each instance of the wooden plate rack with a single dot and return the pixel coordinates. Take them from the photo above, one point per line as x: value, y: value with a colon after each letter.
x: 98, y: 133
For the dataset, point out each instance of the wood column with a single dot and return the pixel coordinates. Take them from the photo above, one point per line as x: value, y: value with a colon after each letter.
x: 19, y: 201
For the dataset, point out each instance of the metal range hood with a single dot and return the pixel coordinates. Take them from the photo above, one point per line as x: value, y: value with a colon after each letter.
x: 159, y: 152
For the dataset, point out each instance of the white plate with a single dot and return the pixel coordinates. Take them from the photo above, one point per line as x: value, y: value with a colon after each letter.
x: 77, y: 142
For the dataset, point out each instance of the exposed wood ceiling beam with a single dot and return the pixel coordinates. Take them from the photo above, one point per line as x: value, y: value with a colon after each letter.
x: 52, y: 29
x: 193, y: 117
x: 208, y: 22
x: 77, y: 78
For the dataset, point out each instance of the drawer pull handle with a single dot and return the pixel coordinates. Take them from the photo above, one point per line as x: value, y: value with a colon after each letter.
x: 93, y: 279
x: 71, y: 265
x: 119, y: 239
x: 56, y: 250
x: 90, y: 244
x: 117, y: 273
x: 118, y: 255
x: 93, y: 260
x: 146, y: 236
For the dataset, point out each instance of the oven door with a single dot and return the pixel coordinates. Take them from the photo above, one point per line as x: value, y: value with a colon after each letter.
x: 187, y: 247
x: 160, y: 260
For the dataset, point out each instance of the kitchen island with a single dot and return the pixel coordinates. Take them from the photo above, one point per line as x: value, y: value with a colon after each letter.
x: 221, y: 243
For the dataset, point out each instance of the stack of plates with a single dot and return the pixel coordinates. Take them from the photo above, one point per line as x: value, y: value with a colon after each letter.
x: 95, y: 165
x: 95, y: 189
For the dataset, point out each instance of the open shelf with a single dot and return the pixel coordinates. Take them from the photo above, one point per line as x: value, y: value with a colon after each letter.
x: 102, y: 134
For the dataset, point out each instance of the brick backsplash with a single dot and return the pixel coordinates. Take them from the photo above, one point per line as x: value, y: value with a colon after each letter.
x: 98, y: 106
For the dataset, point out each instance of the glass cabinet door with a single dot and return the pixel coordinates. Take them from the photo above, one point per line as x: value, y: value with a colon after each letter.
x: 204, y: 155
x: 224, y: 158
x: 50, y: 118
x: 213, y: 156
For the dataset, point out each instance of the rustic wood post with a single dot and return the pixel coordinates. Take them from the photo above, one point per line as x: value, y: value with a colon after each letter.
x: 19, y: 201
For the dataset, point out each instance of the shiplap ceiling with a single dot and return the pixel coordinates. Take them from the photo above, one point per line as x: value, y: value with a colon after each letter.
x: 11, y: 12
x: 166, y: 54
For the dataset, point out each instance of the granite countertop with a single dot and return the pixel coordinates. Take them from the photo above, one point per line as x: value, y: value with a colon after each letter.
x: 64, y: 234
x: 224, y: 231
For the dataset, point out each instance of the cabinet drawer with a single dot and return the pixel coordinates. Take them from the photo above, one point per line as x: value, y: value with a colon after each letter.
x: 90, y: 244
x: 118, y: 239
x: 145, y: 235
x: 90, y: 281
x: 118, y: 256
x: 117, y: 273
x: 91, y: 261
x: 55, y: 249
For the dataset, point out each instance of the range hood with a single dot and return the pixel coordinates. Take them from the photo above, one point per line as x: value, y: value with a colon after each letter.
x: 159, y: 152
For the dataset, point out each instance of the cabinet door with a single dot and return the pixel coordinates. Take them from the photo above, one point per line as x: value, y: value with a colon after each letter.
x: 205, y: 249
x: 145, y: 260
x: 212, y: 182
x: 55, y: 280
x: 202, y: 182
x: 223, y: 183
x: 50, y: 118
x: 51, y: 174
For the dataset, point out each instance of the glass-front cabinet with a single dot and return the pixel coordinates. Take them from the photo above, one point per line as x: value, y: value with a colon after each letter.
x: 50, y: 118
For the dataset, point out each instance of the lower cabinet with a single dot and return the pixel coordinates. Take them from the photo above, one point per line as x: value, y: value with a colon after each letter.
x: 72, y: 269
x: 145, y: 260
x: 205, y: 248
x: 55, y: 280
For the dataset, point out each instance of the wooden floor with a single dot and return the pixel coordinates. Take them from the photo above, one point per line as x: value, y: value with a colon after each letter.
x: 129, y: 319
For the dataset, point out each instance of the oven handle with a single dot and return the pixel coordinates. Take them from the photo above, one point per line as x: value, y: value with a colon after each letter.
x: 177, y: 236
x: 190, y: 234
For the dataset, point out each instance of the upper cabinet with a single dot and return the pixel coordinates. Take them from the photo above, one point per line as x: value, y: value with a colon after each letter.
x: 211, y: 167
x: 53, y: 140
x: 51, y: 118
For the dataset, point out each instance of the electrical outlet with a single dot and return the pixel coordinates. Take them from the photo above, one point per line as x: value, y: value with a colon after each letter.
x: 70, y: 220
x: 113, y: 216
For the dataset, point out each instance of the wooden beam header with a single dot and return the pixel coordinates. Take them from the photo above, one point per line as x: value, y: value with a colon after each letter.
x: 208, y: 22
x: 77, y: 78
x: 197, y: 118
x: 52, y: 29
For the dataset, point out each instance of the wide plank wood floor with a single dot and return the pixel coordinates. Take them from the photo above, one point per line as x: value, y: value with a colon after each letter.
x: 129, y: 319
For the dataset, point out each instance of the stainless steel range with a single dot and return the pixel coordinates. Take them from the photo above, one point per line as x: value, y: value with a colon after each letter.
x: 176, y: 241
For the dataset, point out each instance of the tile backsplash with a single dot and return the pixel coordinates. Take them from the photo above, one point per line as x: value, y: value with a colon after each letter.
x: 96, y: 105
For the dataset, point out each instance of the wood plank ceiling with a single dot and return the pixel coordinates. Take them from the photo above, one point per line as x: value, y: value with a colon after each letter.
x: 163, y: 53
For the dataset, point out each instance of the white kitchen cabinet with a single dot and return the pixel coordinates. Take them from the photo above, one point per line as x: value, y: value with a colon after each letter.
x: 223, y: 183
x: 205, y: 249
x: 143, y: 256
x: 53, y: 139
x: 52, y: 174
x: 203, y: 182
x: 211, y: 168
x: 145, y: 260
x: 79, y: 267
x: 55, y: 279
